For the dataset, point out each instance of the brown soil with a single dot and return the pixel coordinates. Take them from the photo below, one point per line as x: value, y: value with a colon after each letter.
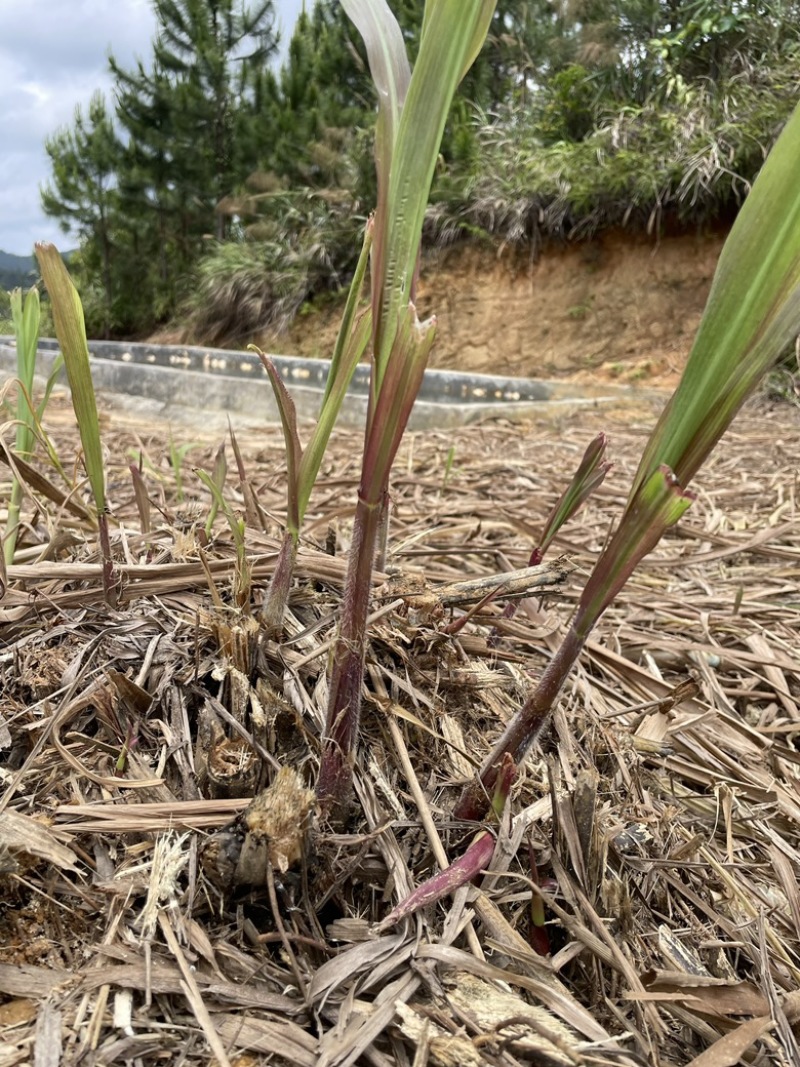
x: 620, y: 307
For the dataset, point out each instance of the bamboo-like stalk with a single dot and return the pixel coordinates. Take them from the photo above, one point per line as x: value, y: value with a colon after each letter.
x: 411, y: 120
x: 347, y: 668
x: 524, y: 728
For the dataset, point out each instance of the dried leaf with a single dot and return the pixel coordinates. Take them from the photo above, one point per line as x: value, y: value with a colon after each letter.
x: 729, y: 1049
x: 24, y: 836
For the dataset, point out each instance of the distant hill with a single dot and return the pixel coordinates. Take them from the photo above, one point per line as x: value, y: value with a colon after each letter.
x: 17, y: 271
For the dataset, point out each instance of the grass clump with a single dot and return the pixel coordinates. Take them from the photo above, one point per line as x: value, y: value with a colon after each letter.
x: 752, y: 314
x: 292, y: 245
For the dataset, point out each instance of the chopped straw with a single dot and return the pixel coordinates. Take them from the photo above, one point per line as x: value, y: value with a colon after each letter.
x: 662, y: 805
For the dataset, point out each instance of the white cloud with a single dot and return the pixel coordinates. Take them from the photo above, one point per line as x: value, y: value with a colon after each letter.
x: 53, y: 56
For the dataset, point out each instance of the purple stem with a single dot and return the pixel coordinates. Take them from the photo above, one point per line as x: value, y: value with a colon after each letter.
x: 110, y: 583
x: 523, y: 729
x: 347, y: 671
x: 466, y: 868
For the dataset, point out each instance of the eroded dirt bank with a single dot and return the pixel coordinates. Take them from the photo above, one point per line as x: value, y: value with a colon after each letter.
x: 621, y: 306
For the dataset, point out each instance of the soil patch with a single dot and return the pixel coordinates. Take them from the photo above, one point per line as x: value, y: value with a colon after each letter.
x: 620, y: 307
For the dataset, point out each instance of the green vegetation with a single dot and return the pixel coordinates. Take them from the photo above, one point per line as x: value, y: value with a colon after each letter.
x: 180, y: 688
x: 221, y: 191
x: 25, y: 317
x: 140, y: 185
x: 752, y: 314
x: 24, y: 320
x: 413, y: 110
x: 303, y: 463
x: 71, y: 333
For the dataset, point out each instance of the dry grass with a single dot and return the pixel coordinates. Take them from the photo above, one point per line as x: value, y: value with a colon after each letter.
x: 662, y: 809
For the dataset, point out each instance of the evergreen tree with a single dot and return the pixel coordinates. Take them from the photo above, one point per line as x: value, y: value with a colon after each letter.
x: 82, y: 195
x: 142, y: 202
x: 324, y: 87
x: 256, y: 118
x: 150, y: 187
x: 189, y: 119
x: 182, y: 114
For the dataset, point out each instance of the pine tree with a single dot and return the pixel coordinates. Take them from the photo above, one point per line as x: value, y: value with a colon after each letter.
x: 143, y: 200
x: 190, y: 121
x: 82, y: 195
x: 183, y: 112
x: 162, y: 219
x: 324, y: 87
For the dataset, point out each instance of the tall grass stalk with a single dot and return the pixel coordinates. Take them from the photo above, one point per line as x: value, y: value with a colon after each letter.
x: 411, y: 118
x: 752, y: 316
x: 25, y: 316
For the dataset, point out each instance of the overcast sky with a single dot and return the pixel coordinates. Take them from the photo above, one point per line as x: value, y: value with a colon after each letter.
x: 53, y: 55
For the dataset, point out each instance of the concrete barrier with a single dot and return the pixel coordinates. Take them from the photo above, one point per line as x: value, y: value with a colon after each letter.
x: 176, y: 377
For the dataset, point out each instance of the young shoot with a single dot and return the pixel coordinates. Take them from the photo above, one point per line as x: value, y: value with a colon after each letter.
x: 752, y: 316
x: 25, y: 317
x: 303, y: 463
x: 71, y: 333
x: 412, y: 112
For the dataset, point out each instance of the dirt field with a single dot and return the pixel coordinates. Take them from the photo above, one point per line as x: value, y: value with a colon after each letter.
x: 620, y: 307
x: 658, y: 821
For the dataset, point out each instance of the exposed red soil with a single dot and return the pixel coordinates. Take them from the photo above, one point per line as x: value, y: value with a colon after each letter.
x: 620, y: 307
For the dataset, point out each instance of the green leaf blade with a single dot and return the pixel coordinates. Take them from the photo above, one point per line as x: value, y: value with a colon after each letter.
x: 71, y: 334
x: 752, y: 315
x: 657, y: 505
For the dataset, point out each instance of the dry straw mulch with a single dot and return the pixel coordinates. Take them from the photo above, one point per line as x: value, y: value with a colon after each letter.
x: 660, y: 815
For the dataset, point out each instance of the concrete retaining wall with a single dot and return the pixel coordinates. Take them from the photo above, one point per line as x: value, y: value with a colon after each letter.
x: 182, y: 377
